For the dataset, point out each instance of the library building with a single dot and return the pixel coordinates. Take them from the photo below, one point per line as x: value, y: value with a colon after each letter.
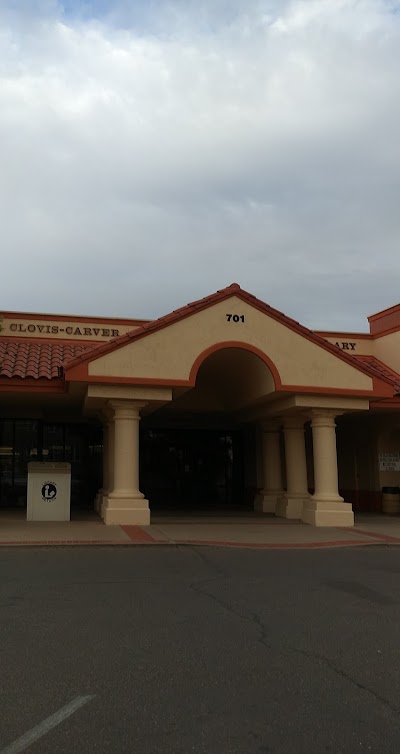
x: 223, y: 405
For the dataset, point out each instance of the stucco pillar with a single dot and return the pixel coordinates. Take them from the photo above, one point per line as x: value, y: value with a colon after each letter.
x: 268, y: 497
x: 125, y: 503
x: 292, y: 501
x: 326, y: 507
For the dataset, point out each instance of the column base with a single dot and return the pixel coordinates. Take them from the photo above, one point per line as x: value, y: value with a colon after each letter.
x: 266, y: 502
x: 328, y: 513
x: 291, y: 506
x: 126, y: 511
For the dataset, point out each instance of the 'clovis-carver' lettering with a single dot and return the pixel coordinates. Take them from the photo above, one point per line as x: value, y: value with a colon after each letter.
x: 74, y: 330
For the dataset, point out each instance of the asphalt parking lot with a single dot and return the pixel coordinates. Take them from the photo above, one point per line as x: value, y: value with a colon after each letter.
x: 195, y: 649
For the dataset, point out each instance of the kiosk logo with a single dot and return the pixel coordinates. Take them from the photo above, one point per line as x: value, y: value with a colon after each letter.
x: 49, y: 491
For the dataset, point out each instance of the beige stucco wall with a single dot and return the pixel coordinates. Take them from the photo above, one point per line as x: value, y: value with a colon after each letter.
x: 332, y: 402
x: 171, y: 352
x: 352, y: 346
x: 129, y: 392
x: 387, y: 349
x: 58, y: 329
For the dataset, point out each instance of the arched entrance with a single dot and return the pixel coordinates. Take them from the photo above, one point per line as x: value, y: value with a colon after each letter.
x: 199, y: 453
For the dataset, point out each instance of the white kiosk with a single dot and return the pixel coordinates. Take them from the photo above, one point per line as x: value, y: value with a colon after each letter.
x: 49, y: 491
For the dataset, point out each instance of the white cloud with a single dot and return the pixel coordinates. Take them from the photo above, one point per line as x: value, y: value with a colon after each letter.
x: 148, y: 160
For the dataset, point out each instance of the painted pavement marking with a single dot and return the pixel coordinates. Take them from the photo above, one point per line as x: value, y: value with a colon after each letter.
x: 376, y: 535
x: 44, y: 727
x: 137, y: 535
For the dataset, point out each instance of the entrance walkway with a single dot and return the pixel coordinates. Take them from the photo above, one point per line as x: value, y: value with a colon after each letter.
x: 246, y: 530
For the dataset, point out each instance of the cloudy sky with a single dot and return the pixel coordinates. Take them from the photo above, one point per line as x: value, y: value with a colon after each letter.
x: 154, y: 151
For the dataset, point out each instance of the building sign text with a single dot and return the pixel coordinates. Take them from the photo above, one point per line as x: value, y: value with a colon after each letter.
x: 346, y: 345
x: 235, y: 317
x: 75, y: 331
x: 389, y: 461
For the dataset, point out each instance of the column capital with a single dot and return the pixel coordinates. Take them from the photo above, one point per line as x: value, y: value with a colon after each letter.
x: 126, y: 409
x: 324, y: 417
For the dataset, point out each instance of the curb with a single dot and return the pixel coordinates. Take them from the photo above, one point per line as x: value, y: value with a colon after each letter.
x: 335, y: 544
x: 137, y: 536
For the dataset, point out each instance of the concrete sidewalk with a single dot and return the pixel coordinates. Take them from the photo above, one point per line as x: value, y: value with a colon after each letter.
x: 247, y: 530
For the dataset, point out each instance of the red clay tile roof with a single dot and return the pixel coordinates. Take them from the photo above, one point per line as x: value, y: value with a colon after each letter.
x: 27, y: 359
x: 232, y: 290
x: 382, y: 370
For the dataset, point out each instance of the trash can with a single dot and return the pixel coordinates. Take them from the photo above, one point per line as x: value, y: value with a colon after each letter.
x: 391, y: 500
x: 49, y: 491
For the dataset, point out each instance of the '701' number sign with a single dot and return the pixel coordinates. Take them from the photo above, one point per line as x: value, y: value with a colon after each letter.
x: 235, y: 317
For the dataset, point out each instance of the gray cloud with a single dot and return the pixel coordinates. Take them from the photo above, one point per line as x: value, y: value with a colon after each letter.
x: 149, y: 159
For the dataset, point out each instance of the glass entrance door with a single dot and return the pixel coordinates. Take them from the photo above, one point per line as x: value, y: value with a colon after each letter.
x: 192, y: 469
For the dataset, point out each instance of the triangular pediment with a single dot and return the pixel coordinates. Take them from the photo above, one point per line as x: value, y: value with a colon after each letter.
x: 169, y: 351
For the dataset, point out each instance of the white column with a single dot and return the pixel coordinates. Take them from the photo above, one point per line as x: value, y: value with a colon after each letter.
x: 326, y: 507
x: 292, y: 501
x: 125, y: 503
x: 268, y: 497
